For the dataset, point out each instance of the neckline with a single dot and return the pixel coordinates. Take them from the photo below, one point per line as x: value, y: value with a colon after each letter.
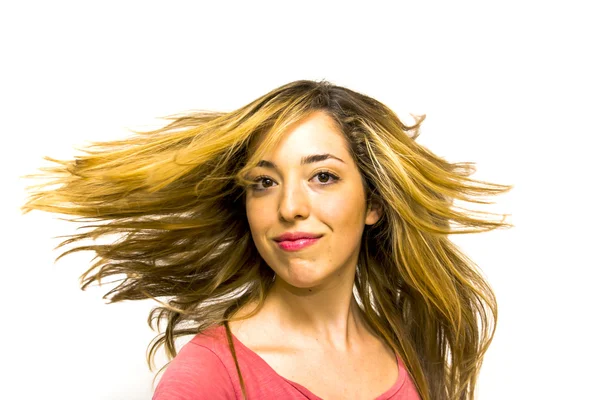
x: 402, y: 373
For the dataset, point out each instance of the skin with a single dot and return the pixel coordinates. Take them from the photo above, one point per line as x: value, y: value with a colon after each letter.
x: 311, y: 300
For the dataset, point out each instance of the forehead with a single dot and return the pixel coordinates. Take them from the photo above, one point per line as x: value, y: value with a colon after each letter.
x: 315, y: 133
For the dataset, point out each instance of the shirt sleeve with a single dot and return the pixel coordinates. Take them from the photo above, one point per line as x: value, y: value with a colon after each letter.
x: 196, y: 373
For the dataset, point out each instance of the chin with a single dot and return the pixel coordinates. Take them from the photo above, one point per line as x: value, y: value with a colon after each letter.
x: 300, y: 273
x: 301, y: 280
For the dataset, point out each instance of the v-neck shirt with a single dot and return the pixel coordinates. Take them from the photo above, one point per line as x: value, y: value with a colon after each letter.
x: 204, y: 369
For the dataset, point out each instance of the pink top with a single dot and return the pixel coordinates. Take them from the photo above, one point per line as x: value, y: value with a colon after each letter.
x: 205, y: 369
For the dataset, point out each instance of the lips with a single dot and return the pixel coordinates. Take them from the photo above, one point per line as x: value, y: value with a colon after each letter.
x: 293, y: 236
x: 293, y: 241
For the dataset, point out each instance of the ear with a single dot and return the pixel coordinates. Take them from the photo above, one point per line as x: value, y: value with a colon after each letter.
x: 374, y: 212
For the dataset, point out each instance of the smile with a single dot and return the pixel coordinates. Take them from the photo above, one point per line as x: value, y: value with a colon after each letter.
x: 294, y: 245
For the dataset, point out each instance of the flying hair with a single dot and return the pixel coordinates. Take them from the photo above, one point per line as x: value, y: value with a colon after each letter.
x: 175, y: 198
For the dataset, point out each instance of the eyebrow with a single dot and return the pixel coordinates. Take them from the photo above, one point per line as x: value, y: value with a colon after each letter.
x: 305, y: 160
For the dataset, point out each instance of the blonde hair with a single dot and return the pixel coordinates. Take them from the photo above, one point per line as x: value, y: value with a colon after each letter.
x: 175, y: 196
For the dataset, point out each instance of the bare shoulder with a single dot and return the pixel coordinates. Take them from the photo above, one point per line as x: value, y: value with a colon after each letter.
x: 257, y: 332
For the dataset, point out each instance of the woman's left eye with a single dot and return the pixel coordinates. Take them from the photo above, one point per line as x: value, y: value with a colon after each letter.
x: 326, y: 177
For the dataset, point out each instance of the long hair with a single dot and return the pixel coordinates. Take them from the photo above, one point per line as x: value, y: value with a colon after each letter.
x: 175, y: 196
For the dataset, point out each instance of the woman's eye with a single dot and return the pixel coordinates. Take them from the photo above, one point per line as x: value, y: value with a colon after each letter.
x: 267, y: 182
x: 326, y: 177
x: 262, y: 183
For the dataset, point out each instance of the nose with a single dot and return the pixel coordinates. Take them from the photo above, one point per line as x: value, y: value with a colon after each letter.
x: 294, y: 202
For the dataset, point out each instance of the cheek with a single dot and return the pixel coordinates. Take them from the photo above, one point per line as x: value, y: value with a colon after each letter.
x: 344, y: 212
x: 258, y: 215
x: 252, y: 215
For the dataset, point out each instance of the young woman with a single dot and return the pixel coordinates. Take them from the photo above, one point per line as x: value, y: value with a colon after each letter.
x: 301, y: 239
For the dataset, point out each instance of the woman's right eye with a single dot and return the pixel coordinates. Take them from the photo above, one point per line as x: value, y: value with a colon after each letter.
x: 262, y: 183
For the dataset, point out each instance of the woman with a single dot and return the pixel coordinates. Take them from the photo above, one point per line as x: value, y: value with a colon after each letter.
x: 302, y: 239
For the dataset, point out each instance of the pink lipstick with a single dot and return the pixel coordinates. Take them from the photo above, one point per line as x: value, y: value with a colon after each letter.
x: 292, y: 241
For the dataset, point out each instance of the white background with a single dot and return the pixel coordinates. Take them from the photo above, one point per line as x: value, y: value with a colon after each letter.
x: 510, y: 85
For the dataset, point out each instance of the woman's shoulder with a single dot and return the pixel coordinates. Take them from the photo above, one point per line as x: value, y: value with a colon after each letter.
x: 205, y: 369
x: 198, y: 371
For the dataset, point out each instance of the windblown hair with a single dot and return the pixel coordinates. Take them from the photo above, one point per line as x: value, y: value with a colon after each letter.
x: 175, y: 196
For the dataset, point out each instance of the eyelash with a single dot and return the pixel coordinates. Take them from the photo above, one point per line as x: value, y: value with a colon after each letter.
x: 334, y: 179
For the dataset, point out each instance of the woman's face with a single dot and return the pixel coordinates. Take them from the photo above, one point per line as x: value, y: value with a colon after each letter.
x: 310, y: 187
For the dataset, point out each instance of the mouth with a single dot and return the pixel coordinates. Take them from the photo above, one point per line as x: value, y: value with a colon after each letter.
x: 295, y: 245
x: 292, y: 236
x: 294, y: 241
